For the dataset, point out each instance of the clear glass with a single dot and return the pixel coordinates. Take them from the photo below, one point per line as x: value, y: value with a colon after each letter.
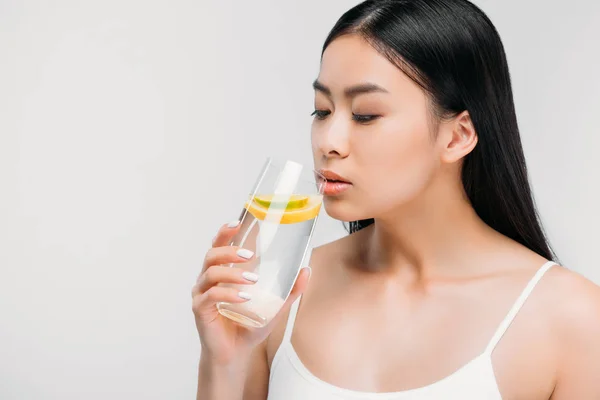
x: 277, y: 224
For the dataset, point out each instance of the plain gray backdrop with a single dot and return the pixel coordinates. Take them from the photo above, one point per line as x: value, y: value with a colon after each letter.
x: 131, y: 130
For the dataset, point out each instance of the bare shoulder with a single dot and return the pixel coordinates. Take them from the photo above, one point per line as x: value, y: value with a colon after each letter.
x: 575, y: 302
x: 574, y: 309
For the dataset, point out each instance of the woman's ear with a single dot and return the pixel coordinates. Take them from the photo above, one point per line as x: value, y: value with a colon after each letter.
x: 461, y: 138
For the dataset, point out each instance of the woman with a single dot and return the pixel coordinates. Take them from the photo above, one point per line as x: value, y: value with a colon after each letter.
x: 444, y: 289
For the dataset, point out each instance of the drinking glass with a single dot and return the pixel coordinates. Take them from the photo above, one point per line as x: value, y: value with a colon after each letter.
x: 277, y: 223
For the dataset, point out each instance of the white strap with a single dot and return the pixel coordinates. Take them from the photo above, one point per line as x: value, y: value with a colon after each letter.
x: 517, y: 306
x: 289, y: 327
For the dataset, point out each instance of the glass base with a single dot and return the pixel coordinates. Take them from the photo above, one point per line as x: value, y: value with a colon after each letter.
x: 240, y: 315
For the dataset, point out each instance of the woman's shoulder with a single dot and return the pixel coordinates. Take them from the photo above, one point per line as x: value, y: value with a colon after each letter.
x: 572, y: 301
x: 575, y: 303
x: 574, y: 311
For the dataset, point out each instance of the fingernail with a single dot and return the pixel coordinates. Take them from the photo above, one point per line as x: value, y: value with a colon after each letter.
x: 309, y: 271
x: 250, y: 276
x: 233, y: 224
x: 245, y: 253
x: 245, y: 295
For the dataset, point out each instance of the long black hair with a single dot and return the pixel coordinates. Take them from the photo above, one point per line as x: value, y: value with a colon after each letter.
x: 453, y: 51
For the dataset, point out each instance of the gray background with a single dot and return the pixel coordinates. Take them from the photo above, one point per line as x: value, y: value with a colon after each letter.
x: 131, y: 130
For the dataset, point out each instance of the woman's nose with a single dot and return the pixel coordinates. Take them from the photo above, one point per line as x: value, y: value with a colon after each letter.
x: 333, y: 140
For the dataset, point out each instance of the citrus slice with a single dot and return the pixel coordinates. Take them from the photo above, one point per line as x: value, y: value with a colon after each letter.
x: 295, y: 201
x: 304, y: 212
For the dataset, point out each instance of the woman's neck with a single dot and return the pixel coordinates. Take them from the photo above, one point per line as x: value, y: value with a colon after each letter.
x: 432, y: 236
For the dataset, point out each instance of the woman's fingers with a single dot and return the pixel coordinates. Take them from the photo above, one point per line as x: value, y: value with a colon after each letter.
x: 216, y: 294
x: 226, y: 233
x: 226, y: 255
x: 301, y: 283
x: 220, y: 274
x: 299, y: 286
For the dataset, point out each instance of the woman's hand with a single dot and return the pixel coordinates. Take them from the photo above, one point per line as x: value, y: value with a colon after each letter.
x: 223, y: 340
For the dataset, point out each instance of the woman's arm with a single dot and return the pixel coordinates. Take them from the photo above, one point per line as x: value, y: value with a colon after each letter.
x: 578, y: 375
x: 247, y: 378
x: 220, y: 382
x: 257, y: 379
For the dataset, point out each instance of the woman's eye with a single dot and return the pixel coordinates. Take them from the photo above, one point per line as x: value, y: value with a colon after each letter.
x: 364, y: 118
x: 320, y: 114
x: 360, y: 118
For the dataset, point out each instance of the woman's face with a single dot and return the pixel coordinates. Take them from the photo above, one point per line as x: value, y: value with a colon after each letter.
x: 372, y: 127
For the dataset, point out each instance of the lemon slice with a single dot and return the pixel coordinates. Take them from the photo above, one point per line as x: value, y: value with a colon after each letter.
x: 304, y: 209
x: 295, y: 201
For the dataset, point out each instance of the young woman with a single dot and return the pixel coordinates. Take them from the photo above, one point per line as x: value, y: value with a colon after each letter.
x: 445, y: 288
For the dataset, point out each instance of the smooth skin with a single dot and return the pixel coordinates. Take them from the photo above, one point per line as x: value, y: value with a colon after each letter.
x: 409, y: 300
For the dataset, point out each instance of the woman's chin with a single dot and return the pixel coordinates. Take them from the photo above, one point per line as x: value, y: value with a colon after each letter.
x: 342, y: 212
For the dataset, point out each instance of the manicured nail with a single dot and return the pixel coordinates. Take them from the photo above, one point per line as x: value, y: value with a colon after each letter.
x: 309, y: 271
x: 245, y: 253
x: 245, y: 295
x: 233, y: 224
x: 250, y: 276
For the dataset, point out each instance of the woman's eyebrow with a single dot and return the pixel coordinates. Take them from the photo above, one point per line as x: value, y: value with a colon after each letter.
x: 351, y: 91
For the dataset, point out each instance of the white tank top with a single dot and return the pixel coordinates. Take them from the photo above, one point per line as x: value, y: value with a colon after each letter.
x: 291, y: 380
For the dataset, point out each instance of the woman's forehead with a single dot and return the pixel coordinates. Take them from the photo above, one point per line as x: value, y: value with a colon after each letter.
x: 350, y: 60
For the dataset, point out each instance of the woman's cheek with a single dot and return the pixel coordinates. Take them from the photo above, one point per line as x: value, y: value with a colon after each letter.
x: 399, y: 172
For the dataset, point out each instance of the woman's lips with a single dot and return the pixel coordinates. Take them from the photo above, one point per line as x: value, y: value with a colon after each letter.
x: 333, y: 188
x: 332, y: 183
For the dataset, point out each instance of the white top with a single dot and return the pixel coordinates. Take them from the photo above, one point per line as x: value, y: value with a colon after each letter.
x: 290, y: 380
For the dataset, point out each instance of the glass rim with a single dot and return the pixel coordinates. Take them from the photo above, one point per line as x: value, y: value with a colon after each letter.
x: 308, y: 174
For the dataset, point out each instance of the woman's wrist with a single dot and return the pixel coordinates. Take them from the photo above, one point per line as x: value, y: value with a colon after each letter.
x: 224, y: 361
x: 219, y: 380
x: 218, y: 365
